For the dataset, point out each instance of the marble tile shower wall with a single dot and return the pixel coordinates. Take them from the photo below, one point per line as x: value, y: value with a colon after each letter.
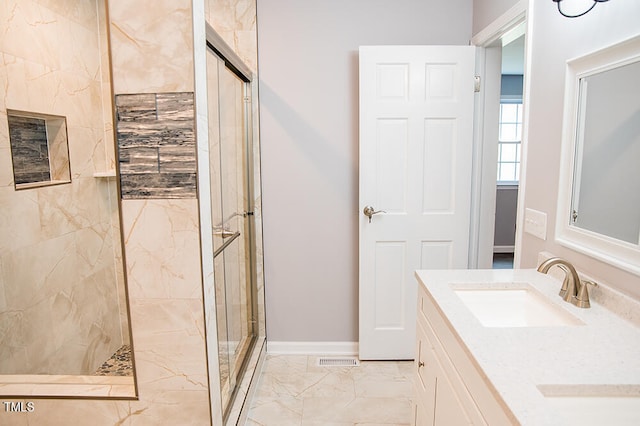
x: 57, y: 270
x: 235, y: 22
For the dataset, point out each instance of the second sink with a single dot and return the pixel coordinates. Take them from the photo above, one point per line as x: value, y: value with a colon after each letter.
x: 587, y: 405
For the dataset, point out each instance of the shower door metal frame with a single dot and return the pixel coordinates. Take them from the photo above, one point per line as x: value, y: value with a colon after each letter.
x: 234, y: 63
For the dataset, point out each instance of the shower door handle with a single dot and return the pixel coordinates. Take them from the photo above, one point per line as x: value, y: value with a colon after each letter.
x: 233, y: 236
x: 224, y: 233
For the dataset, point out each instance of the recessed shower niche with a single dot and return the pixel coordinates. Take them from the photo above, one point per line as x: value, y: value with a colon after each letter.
x: 39, y: 149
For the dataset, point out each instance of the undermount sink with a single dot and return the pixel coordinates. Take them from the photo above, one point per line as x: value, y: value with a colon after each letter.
x: 591, y: 405
x: 513, y: 305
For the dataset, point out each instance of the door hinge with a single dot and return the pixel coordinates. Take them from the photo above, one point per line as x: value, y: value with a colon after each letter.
x: 476, y: 85
x: 247, y: 99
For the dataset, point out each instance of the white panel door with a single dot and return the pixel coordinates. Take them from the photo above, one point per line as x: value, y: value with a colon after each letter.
x: 416, y: 127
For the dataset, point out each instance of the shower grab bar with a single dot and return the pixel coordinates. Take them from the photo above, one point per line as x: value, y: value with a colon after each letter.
x: 226, y: 244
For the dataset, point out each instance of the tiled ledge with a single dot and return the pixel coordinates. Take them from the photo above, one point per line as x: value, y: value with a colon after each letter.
x: 67, y: 386
x: 105, y: 175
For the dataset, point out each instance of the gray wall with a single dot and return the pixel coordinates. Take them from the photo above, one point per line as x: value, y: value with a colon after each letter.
x: 556, y: 40
x: 487, y: 11
x: 506, y: 206
x: 308, y: 66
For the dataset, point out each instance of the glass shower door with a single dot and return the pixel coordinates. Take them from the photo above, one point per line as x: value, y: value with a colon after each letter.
x: 231, y: 215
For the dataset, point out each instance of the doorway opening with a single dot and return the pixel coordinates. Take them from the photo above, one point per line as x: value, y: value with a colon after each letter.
x: 498, y: 156
x: 509, y: 148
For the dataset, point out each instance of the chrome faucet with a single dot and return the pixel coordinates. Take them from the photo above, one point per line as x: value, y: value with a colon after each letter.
x: 573, y: 289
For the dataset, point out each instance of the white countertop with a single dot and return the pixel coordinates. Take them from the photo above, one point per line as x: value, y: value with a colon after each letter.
x: 603, y: 351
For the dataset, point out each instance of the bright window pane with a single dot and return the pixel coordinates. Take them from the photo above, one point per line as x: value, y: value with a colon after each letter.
x: 507, y: 171
x: 509, y: 113
x: 509, y: 133
x: 508, y: 152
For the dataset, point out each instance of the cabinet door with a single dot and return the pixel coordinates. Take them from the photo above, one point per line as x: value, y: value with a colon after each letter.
x: 453, y: 404
x: 449, y: 409
x: 437, y: 403
x: 442, y: 398
x: 425, y: 379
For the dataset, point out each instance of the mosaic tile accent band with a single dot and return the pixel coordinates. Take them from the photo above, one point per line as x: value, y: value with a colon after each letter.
x: 156, y: 145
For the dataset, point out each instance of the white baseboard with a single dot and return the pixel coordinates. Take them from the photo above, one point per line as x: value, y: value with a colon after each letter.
x: 504, y: 249
x: 312, y: 348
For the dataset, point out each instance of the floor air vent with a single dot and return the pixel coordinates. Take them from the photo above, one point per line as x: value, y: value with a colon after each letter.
x: 338, y: 362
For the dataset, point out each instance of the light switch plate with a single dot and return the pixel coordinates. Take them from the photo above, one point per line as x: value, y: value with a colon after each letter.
x: 535, y: 223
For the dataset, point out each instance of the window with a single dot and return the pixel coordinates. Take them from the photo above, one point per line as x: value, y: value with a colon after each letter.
x: 510, y: 132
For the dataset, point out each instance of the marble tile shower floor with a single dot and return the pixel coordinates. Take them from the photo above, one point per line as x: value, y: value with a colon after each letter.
x: 293, y: 390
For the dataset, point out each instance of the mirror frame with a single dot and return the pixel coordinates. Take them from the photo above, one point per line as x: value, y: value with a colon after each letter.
x: 616, y: 252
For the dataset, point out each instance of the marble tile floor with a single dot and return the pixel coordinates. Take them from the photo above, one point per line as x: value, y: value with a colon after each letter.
x: 293, y: 390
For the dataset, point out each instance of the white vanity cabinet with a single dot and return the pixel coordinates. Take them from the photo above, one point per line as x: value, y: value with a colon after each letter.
x: 450, y: 389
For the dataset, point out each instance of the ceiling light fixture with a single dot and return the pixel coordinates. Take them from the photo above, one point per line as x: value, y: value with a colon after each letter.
x: 578, y: 14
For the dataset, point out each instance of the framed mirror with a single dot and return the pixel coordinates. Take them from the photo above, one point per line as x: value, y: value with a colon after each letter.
x: 599, y: 196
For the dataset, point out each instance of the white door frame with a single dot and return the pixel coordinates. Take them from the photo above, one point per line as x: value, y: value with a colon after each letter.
x: 483, y: 199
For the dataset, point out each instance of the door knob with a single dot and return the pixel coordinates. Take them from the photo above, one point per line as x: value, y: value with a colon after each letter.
x: 370, y: 211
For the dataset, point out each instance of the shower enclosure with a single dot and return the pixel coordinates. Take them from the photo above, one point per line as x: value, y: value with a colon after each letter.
x: 232, y: 217
x: 63, y: 301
